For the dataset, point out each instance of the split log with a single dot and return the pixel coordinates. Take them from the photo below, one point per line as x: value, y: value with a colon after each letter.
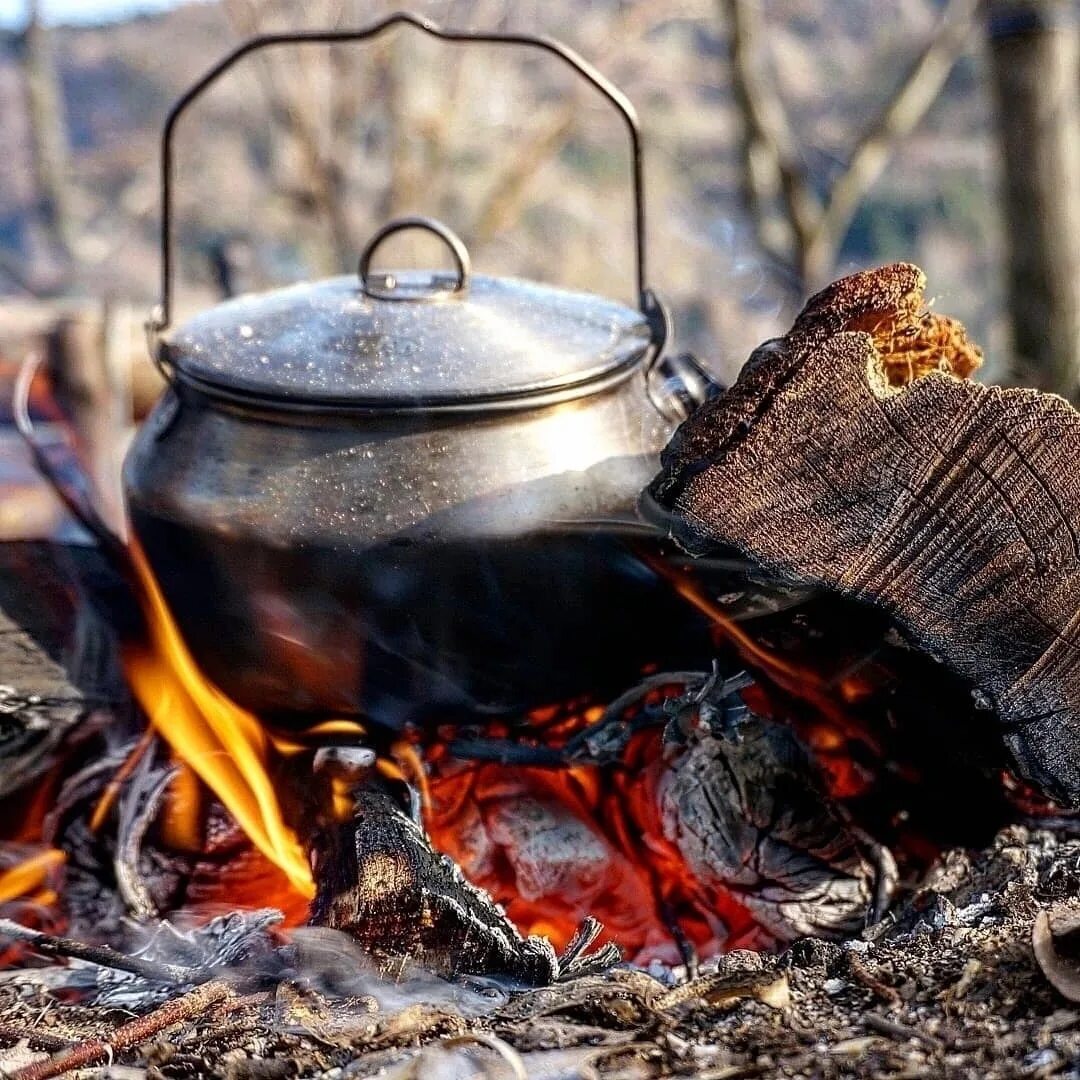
x: 852, y: 454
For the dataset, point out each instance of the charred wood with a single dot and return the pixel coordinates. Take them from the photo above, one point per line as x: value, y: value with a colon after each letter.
x: 853, y: 455
x: 381, y: 882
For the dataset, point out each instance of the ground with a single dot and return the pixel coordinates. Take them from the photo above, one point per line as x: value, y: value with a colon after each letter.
x: 947, y: 986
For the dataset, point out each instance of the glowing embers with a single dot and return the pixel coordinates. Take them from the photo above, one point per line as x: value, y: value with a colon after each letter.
x: 553, y: 845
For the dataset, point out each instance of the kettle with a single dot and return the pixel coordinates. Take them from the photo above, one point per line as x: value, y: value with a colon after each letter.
x: 409, y: 494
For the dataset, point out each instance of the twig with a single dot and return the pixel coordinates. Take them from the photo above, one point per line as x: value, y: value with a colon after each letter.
x: 138, y: 810
x: 884, y: 1026
x: 814, y: 226
x: 112, y: 788
x: 506, y: 196
x: 770, y: 151
x: 102, y: 955
x: 862, y: 974
x: 94, y: 1051
x: 902, y: 113
x: 291, y: 106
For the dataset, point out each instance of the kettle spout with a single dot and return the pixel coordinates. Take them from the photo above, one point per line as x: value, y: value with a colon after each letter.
x: 679, y: 384
x: 676, y: 384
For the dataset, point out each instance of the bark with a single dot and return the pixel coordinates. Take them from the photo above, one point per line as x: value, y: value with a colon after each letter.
x: 381, y: 882
x: 851, y: 455
x: 1035, y: 52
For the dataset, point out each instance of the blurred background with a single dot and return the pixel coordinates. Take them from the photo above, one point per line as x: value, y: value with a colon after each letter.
x: 787, y: 142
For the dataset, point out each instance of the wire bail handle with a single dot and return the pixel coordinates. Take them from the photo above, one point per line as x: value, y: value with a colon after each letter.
x: 161, y: 317
x: 386, y: 286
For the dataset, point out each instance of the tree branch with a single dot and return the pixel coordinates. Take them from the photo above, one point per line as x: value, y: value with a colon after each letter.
x: 323, y: 180
x: 899, y: 118
x: 813, y: 230
x: 506, y: 195
x: 770, y: 151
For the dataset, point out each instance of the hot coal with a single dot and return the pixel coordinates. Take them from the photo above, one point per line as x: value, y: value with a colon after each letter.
x: 744, y: 803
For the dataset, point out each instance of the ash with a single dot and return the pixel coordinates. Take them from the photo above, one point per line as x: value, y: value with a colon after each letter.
x: 946, y: 986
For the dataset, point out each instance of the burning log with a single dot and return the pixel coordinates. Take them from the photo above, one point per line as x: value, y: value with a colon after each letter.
x: 744, y: 804
x: 381, y: 881
x: 854, y: 455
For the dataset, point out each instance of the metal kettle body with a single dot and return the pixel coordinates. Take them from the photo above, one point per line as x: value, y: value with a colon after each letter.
x: 404, y: 567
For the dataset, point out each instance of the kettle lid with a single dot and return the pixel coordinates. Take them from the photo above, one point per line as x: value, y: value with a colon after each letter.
x: 409, y: 339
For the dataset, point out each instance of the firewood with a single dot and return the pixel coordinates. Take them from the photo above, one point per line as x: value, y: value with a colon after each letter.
x: 854, y: 455
x: 381, y: 882
x: 93, y: 1051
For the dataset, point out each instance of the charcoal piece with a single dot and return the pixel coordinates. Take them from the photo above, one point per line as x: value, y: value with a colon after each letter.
x: 381, y: 882
x: 744, y: 804
x: 851, y: 455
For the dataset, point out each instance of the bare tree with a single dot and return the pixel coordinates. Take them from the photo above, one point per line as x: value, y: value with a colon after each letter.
x: 1035, y: 51
x: 799, y: 228
x: 292, y: 104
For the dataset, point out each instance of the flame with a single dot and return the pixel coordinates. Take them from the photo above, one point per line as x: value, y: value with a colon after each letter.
x: 31, y: 869
x: 31, y: 875
x: 829, y: 702
x: 182, y: 817
x: 225, y: 745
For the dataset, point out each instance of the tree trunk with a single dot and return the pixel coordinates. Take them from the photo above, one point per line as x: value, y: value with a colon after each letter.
x: 48, y: 131
x: 1035, y: 51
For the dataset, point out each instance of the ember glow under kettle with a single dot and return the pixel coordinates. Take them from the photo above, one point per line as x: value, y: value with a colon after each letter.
x: 409, y: 494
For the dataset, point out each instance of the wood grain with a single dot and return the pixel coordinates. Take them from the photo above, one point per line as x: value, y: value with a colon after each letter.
x: 852, y: 454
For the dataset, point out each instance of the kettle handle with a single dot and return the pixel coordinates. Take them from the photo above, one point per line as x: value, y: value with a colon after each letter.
x: 162, y: 315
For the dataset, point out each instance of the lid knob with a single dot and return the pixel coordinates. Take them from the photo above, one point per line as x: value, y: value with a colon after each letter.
x: 387, y: 286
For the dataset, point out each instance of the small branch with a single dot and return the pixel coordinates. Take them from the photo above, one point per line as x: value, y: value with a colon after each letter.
x: 52, y: 1043
x: 290, y: 107
x: 102, y: 955
x: 881, y: 989
x: 507, y: 194
x: 812, y: 230
x: 95, y: 1051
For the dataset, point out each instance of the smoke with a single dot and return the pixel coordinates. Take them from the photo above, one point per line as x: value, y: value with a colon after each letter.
x: 331, y: 963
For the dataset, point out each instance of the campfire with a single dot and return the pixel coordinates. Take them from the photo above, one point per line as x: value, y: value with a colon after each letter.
x: 794, y: 781
x: 475, y: 671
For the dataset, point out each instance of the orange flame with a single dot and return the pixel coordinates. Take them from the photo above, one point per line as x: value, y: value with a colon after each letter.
x: 797, y: 680
x: 224, y: 744
x: 31, y: 874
